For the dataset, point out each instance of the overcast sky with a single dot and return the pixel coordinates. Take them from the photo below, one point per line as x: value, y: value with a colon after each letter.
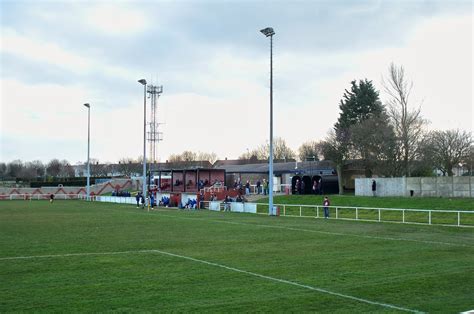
x: 213, y: 64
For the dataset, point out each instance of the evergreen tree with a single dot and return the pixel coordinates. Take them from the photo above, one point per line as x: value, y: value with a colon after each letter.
x: 362, y: 102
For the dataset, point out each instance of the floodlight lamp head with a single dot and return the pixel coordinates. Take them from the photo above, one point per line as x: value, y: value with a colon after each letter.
x: 268, y: 31
x: 87, y: 105
x: 142, y: 81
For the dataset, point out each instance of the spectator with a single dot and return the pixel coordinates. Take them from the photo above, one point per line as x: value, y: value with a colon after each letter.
x: 137, y: 198
x: 320, y: 183
x: 142, y: 198
x: 265, y: 187
x: 326, y: 204
x: 258, y: 187
x: 374, y: 188
x: 227, y: 201
x: 247, y: 188
x: 201, y: 199
x: 152, y: 200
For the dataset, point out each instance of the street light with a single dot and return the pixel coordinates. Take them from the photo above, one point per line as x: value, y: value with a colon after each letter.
x: 143, y: 82
x: 269, y: 32
x: 88, y: 189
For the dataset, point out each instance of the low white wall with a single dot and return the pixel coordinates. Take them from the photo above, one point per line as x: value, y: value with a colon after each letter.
x: 216, y: 206
x: 421, y: 186
x: 243, y: 207
x: 116, y: 199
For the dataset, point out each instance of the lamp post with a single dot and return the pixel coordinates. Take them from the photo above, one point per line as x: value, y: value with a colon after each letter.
x: 88, y: 188
x: 269, y: 32
x: 143, y: 82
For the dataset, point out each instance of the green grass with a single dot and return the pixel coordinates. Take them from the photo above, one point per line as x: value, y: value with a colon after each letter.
x: 424, y: 268
x: 449, y: 204
x: 384, y: 202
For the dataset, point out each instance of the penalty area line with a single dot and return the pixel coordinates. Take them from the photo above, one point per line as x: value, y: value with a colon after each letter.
x: 279, y: 280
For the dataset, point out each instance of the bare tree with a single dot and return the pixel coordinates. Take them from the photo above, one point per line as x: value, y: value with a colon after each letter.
x: 3, y: 170
x: 14, y: 168
x: 451, y: 148
x: 280, y: 151
x: 39, y: 167
x: 66, y: 170
x: 336, y: 148
x: 309, y: 150
x: 127, y: 166
x: 211, y: 157
x: 470, y: 160
x: 408, y: 123
x: 98, y: 169
x: 53, y: 168
x: 249, y: 155
x: 184, y: 156
x: 374, y: 149
x: 32, y: 170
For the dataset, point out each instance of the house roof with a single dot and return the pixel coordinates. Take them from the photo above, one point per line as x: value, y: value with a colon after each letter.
x: 309, y: 167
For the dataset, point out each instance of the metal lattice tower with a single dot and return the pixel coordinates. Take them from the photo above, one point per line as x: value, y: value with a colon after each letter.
x: 154, y: 136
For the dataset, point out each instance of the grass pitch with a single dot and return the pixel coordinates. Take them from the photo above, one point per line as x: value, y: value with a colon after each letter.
x: 95, y: 257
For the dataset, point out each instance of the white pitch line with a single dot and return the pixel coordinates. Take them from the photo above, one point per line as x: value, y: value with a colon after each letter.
x: 72, y: 254
x: 322, y: 232
x: 288, y: 282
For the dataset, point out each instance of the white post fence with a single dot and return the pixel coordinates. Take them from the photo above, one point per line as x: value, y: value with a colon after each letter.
x: 461, y: 218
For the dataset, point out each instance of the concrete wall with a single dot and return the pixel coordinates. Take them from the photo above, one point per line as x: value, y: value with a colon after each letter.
x: 421, y: 187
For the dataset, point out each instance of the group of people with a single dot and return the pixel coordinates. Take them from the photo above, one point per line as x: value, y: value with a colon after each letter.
x: 228, y: 200
x: 261, y: 186
x: 190, y: 204
x: 164, y: 201
x: 317, y: 188
x: 121, y: 193
x: 140, y: 199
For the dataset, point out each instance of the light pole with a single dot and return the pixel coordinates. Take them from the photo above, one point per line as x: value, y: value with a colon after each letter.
x: 269, y: 32
x: 143, y: 82
x: 88, y: 188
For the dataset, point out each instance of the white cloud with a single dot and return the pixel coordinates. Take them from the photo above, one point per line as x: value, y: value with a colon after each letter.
x: 41, y: 111
x: 48, y: 113
x: 41, y: 51
x: 47, y: 53
x: 115, y: 20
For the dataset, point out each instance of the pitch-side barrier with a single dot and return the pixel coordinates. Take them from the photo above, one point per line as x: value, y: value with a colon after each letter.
x: 459, y: 218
